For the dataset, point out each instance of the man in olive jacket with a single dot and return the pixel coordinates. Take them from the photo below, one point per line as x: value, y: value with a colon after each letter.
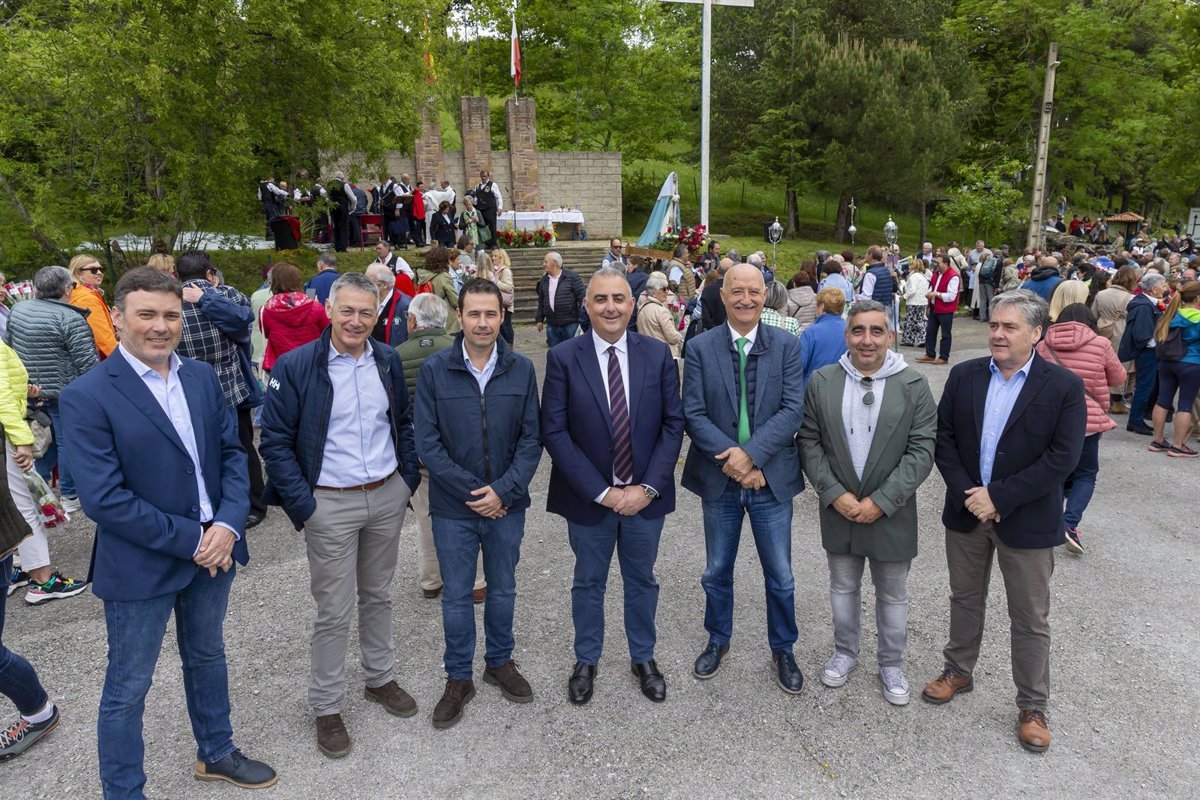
x: 867, y: 443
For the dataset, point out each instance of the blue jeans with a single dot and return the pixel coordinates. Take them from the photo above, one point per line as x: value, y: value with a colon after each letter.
x: 1146, y: 366
x: 18, y: 680
x: 557, y: 334
x: 771, y: 524
x: 1082, y: 483
x: 135, y: 635
x: 636, y: 541
x: 458, y: 542
x: 56, y: 455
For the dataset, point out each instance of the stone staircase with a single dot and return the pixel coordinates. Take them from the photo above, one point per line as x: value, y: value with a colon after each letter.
x: 582, y: 257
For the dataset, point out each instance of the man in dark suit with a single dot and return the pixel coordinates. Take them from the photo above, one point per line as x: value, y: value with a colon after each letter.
x: 743, y: 401
x: 162, y: 473
x: 1010, y: 431
x: 712, y: 304
x: 612, y: 422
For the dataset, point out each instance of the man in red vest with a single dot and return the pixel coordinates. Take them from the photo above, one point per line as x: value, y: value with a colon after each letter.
x: 943, y: 299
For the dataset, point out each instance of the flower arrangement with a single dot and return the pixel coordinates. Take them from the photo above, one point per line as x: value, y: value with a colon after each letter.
x: 47, y: 501
x: 692, y: 237
x: 511, y: 238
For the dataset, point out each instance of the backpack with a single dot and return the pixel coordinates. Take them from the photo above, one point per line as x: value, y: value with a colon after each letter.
x: 425, y: 288
x: 1172, y: 348
x: 988, y: 269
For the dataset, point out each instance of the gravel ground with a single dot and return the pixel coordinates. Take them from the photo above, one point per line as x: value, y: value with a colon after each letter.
x: 1123, y: 726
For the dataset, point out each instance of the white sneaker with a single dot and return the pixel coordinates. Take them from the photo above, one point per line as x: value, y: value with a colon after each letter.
x: 895, y: 685
x: 71, y: 505
x: 837, y: 669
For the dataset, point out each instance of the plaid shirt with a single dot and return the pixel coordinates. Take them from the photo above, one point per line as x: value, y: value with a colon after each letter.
x: 203, y: 341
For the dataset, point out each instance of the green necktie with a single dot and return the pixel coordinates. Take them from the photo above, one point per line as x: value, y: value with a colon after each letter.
x: 743, y: 405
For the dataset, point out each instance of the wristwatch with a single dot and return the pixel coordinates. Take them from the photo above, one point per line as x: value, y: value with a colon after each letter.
x: 650, y: 491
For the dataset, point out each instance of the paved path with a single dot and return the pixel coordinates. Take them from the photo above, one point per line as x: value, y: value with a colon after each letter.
x: 1124, y: 708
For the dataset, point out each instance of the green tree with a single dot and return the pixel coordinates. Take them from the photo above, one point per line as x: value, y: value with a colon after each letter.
x: 983, y: 200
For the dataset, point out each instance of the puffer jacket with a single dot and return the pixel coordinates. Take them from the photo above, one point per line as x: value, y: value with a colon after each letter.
x: 54, y: 342
x: 802, y: 305
x: 1076, y: 347
x: 14, y: 397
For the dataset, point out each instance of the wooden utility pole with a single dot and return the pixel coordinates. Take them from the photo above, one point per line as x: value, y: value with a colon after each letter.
x: 1037, y: 205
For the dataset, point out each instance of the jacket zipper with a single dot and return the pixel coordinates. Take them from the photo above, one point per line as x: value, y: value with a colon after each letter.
x: 487, y: 460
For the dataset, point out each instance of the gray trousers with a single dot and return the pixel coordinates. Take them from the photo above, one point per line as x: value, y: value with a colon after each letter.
x: 353, y: 542
x: 1026, y: 582
x: 986, y: 292
x: 891, y: 605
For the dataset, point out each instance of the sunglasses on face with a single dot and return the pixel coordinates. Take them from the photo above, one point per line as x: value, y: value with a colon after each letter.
x: 94, y: 270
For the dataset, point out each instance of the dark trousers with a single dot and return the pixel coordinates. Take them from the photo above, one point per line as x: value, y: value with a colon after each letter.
x: 245, y: 423
x: 1082, y: 484
x: 943, y: 322
x: 341, y: 229
x: 489, y: 219
x: 18, y: 680
x: 1146, y: 369
x: 389, y: 216
x: 636, y: 543
x: 416, y: 230
x: 506, y: 328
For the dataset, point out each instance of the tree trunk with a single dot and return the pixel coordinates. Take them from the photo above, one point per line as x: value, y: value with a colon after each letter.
x: 793, y: 213
x: 1125, y: 199
x: 44, y: 241
x: 842, y: 220
x: 922, y: 226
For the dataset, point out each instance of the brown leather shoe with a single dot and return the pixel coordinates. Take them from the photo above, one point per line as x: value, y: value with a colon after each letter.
x: 449, y: 709
x: 943, y: 688
x: 512, y: 684
x: 332, y: 737
x: 926, y: 360
x: 940, y: 362
x: 1033, y: 731
x: 1118, y: 407
x: 431, y: 594
x: 479, y: 595
x: 395, y: 700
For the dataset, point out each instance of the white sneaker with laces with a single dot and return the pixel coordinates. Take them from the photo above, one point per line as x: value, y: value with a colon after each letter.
x: 838, y: 669
x: 71, y: 504
x: 895, y: 685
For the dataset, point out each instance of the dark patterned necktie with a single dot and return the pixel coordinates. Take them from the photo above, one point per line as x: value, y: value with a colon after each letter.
x: 618, y: 410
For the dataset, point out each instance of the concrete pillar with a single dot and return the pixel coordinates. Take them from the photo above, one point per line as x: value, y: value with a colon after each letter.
x: 476, y: 139
x: 428, y: 158
x: 522, y: 153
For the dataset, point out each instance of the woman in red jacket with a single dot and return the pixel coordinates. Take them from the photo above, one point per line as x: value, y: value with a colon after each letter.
x: 290, y: 318
x: 1073, y: 343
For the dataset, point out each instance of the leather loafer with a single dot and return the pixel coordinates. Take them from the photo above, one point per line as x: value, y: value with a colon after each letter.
x: 431, y: 594
x: 1033, y: 731
x: 709, y: 661
x: 942, y: 689
x: 654, y: 686
x: 787, y: 673
x: 255, y: 518
x: 579, y: 687
x: 1142, y: 428
x: 235, y: 768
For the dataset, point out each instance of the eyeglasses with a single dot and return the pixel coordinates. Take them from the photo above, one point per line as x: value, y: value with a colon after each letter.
x: 618, y: 247
x: 868, y: 384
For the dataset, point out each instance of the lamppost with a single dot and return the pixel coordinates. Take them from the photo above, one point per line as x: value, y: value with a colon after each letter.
x: 891, y: 232
x: 774, y: 233
x: 852, y: 230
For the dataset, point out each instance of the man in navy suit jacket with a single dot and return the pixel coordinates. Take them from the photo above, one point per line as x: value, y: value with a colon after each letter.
x: 1010, y: 431
x: 163, y: 474
x: 743, y: 401
x: 612, y: 423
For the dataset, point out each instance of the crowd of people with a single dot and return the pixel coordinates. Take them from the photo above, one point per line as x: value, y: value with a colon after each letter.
x: 401, y: 387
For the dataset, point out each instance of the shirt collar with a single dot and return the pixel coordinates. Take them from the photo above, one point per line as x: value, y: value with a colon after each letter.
x: 602, y: 346
x: 367, y: 356
x: 491, y: 362
x: 734, y: 336
x: 1024, y: 371
x: 142, y: 368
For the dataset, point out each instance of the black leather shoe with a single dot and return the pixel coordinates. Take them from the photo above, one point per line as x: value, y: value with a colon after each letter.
x: 579, y: 687
x: 653, y: 684
x: 708, y: 662
x: 787, y: 673
x: 235, y: 768
x: 1142, y: 428
x: 254, y: 519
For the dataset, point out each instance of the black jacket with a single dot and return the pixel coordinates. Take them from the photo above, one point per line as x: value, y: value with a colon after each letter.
x: 1038, y: 450
x: 567, y: 299
x: 441, y: 230
x: 712, y: 314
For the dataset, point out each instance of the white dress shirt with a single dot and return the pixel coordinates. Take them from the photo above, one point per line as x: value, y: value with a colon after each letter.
x: 622, y: 346
x: 173, y: 401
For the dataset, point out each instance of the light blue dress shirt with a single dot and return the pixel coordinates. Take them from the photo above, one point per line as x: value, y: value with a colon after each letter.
x: 173, y: 401
x: 482, y: 376
x: 1001, y: 397
x: 358, y: 443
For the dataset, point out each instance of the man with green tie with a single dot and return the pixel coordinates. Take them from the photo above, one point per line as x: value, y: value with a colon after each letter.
x: 743, y: 401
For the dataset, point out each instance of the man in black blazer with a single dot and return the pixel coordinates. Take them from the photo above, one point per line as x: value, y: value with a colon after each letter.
x: 712, y: 307
x: 1010, y: 431
x: 613, y: 423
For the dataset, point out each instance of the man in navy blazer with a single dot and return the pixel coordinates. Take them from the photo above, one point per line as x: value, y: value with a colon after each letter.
x: 1010, y: 431
x: 743, y: 402
x: 612, y: 423
x: 163, y: 474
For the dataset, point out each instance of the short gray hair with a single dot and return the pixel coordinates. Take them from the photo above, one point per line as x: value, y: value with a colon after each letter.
x: 866, y: 307
x: 353, y: 280
x: 555, y: 257
x: 1152, y: 279
x: 1033, y: 307
x: 327, y: 259
x: 429, y: 311
x: 608, y: 272
x: 52, y: 283
x: 380, y: 270
x: 777, y: 296
x: 656, y: 281
x: 755, y: 259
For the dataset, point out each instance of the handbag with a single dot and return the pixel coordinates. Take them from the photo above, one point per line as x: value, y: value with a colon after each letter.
x: 43, y: 434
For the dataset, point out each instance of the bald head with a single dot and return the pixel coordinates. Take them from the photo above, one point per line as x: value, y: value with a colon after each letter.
x: 744, y: 273
x: 724, y: 266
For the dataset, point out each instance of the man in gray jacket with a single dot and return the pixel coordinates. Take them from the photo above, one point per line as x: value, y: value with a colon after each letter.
x: 866, y: 444
x: 57, y: 346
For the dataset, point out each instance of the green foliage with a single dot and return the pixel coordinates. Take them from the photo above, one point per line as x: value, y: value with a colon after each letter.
x: 982, y: 200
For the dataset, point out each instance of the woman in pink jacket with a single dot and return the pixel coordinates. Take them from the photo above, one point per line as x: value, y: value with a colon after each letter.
x: 1073, y: 343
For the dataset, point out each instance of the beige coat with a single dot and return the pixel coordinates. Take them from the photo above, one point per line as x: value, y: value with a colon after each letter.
x: 1109, y: 307
x: 656, y: 320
